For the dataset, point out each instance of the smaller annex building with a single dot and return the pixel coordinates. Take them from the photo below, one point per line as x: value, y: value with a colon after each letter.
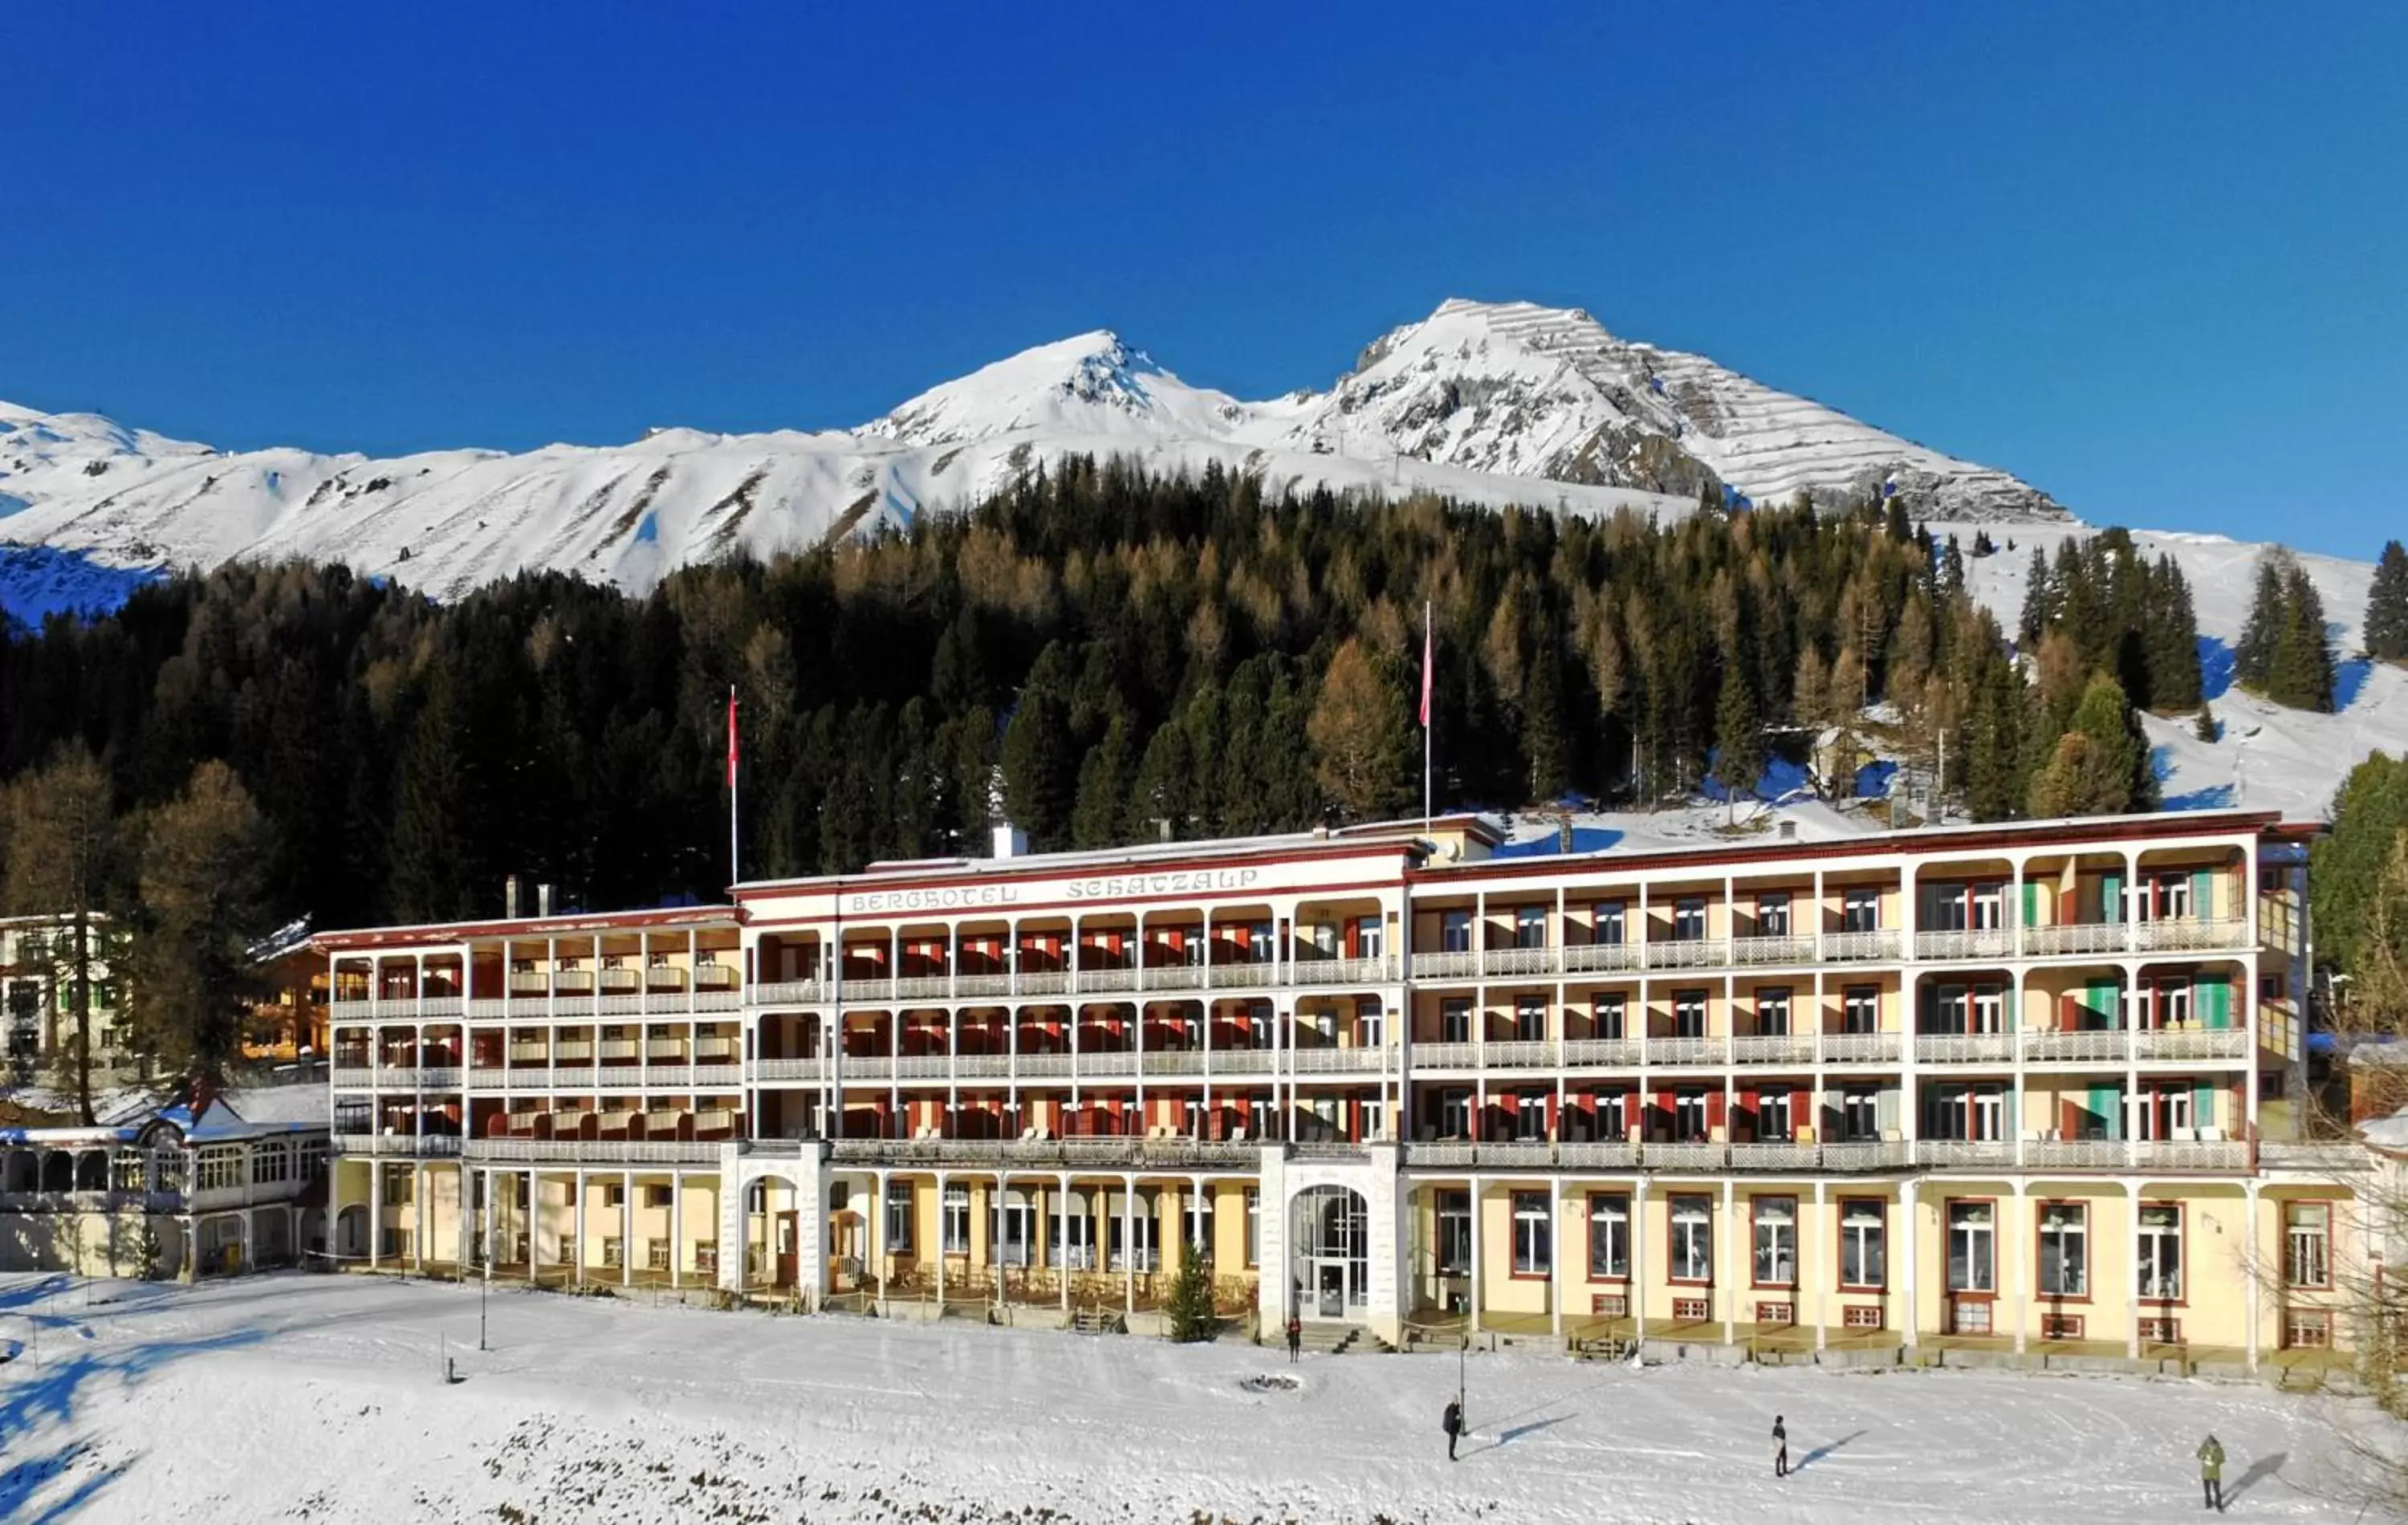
x: 212, y: 1185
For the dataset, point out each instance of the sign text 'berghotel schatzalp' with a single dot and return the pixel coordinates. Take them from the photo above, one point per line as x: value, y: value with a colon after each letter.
x: 1121, y: 887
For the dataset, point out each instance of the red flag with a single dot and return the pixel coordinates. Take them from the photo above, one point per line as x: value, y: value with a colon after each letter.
x: 731, y: 738
x: 1425, y: 666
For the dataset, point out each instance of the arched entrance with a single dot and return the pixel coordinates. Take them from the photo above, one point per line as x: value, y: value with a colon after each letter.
x: 1329, y: 1262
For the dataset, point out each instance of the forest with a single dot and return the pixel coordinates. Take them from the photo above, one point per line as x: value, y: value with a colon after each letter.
x: 1099, y: 655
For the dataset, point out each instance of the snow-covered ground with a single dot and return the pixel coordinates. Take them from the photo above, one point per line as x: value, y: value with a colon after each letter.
x: 319, y: 1399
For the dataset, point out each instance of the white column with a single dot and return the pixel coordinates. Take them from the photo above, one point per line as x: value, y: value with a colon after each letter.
x: 2022, y: 1277
x: 877, y: 1236
x: 941, y: 1223
x: 627, y: 1228
x: 1637, y: 1282
x: 1824, y: 1229
x: 677, y: 1228
x: 2249, y: 1266
x: 1129, y: 1239
x: 2133, y: 1266
x: 577, y: 1222
x: 376, y: 1207
x: 1908, y: 1259
x: 1726, y: 1242
x: 1478, y: 1251
x: 1062, y: 1237
x: 417, y: 1219
x: 1555, y: 1240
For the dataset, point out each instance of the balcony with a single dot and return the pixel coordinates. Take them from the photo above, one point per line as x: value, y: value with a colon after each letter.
x: 1791, y: 1157
x: 2075, y: 1154
x: 1772, y: 1157
x: 1964, y: 1048
x: 1105, y: 982
x: 811, y: 1070
x: 1242, y: 1061
x: 1108, y: 1062
x: 1684, y: 1156
x: 1498, y: 962
x: 1860, y: 1047
x: 1344, y: 971
x: 398, y: 1145
x: 2191, y: 1155
x: 1521, y: 1054
x: 1446, y: 1055
x: 1865, y: 1155
x: 1780, y: 1048
x: 1988, y: 942
x: 1330, y: 1061
x: 789, y: 993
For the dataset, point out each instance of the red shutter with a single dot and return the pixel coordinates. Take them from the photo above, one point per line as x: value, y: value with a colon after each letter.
x: 1354, y: 939
x: 1715, y: 1111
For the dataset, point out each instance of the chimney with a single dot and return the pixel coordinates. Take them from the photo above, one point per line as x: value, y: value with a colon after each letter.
x: 1010, y: 841
x: 1162, y: 828
x: 543, y: 900
x: 1787, y: 832
x: 510, y: 898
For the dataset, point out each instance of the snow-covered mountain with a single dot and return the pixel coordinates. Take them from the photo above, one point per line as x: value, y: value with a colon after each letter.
x: 1492, y: 403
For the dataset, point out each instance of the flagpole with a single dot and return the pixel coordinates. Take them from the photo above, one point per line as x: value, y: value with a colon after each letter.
x: 734, y: 873
x: 1426, y: 651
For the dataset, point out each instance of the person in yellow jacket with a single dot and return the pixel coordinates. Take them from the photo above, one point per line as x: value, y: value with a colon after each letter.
x: 2211, y: 1474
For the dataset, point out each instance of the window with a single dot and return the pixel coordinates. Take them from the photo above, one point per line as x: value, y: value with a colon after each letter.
x: 1530, y: 1116
x: 656, y: 1196
x: 1533, y: 1245
x: 222, y: 1166
x: 1973, y: 1260
x: 2064, y: 1249
x: 270, y: 1163
x: 899, y: 1217
x: 1014, y: 1229
x: 656, y: 1254
x: 1455, y: 1113
x: 1772, y: 1119
x: 1860, y: 910
x: 1071, y: 1241
x: 1990, y: 908
x: 1454, y: 1020
x: 1772, y: 1011
x: 2058, y: 1326
x: 1772, y: 913
x: 1776, y: 1241
x: 1454, y: 1233
x: 1254, y: 1227
x: 1139, y: 1251
x: 1530, y: 1018
x: 1689, y: 1123
x: 1204, y: 1223
x: 955, y: 1230
x: 613, y: 1252
x: 1606, y: 928
x: 1610, y: 1012
x: 1863, y: 1250
x: 1609, y: 1235
x: 1371, y: 1114
x: 1859, y: 1116
x: 1370, y: 1022
x: 1861, y: 1315
x: 2307, y: 1329
x: 1688, y: 1013
x: 1689, y: 919
x: 1691, y: 1310
x: 1529, y: 927
x: 1454, y: 931
x: 1259, y: 1025
x: 2160, y: 1263
x: 1860, y: 1009
x: 1367, y: 931
x: 1693, y: 1239
x: 2306, y: 1243
x: 1258, y: 943
x: 2169, y: 897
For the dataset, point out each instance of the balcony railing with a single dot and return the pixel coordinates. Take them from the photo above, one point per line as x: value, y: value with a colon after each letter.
x: 1684, y: 1050
x: 1608, y: 1051
x: 1988, y: 942
x: 1782, y: 1048
x: 1860, y: 1047
x: 2075, y: 1154
x: 1521, y: 1054
x: 2191, y: 1155
x: 1060, y: 1154
x: 1600, y: 957
x: 2060, y: 1044
x: 1701, y: 953
x: 1964, y: 1047
x: 592, y: 1151
x: 1510, y: 961
x: 1876, y: 946
x: 1781, y: 950
x: 1445, y: 1056
x: 1959, y: 1154
x: 2187, y: 934
x: 2076, y: 937
x: 405, y: 1145
x: 2191, y: 1044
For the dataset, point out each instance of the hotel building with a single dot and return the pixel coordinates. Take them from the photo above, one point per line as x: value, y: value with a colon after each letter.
x: 2024, y: 1086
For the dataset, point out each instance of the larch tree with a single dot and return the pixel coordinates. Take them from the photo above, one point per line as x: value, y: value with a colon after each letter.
x: 1362, y: 737
x: 201, y: 908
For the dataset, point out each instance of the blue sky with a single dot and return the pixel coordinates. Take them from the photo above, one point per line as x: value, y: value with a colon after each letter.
x: 2153, y: 259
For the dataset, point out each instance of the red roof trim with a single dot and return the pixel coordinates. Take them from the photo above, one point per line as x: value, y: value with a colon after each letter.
x: 461, y: 931
x: 870, y: 882
x: 1953, y: 844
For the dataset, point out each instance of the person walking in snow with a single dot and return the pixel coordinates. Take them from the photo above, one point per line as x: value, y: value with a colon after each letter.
x: 1295, y: 1337
x: 2211, y: 1474
x: 1452, y: 1425
x: 1780, y: 1446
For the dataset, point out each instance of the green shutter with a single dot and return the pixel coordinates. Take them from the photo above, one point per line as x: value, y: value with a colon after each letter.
x: 2203, y: 894
x: 2211, y: 1001
x: 2107, y: 1104
x: 2202, y: 1106
x: 2032, y: 904
x: 2110, y: 897
x: 2099, y: 1000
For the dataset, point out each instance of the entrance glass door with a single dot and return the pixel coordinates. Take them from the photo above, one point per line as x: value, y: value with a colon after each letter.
x: 1332, y: 1289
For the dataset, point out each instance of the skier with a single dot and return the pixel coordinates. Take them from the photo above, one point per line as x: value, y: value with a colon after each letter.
x: 2211, y: 1474
x: 1780, y: 1446
x: 1295, y: 1337
x: 1452, y: 1425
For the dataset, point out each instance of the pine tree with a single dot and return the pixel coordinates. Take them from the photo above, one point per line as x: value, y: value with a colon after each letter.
x: 2040, y: 601
x: 2301, y: 669
x: 2253, y: 659
x: 1188, y: 1310
x: 1040, y: 764
x: 1739, y: 740
x: 2170, y: 633
x: 2101, y: 765
x: 432, y: 813
x: 1101, y: 818
x: 2387, y: 606
x: 2204, y: 727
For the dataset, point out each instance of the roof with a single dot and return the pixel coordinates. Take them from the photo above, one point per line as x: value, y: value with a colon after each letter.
x: 579, y: 922
x: 252, y: 1112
